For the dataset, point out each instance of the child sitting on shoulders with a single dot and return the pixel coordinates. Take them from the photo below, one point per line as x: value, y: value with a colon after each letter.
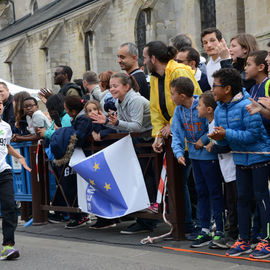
x: 186, y: 124
x: 206, y: 108
x: 243, y: 132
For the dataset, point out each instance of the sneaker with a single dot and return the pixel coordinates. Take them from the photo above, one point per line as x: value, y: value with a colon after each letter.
x: 103, y: 224
x: 153, y: 208
x: 77, y: 223
x: 135, y: 229
x: 55, y: 218
x: 9, y: 253
x: 192, y: 236
x: 239, y: 247
x: 223, y: 242
x: 255, y: 241
x: 203, y: 239
x: 212, y: 245
x: 262, y: 250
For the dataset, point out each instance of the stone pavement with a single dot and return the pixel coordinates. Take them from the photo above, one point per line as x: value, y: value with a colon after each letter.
x: 112, y: 237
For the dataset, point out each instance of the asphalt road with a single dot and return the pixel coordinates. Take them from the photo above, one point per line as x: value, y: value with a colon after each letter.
x: 38, y: 253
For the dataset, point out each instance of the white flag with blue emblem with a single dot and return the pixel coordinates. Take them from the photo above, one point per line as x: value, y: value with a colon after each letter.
x: 110, y: 182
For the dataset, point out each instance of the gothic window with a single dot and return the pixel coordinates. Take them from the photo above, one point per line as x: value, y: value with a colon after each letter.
x: 88, y: 45
x: 208, y: 13
x: 141, y: 33
x: 33, y: 6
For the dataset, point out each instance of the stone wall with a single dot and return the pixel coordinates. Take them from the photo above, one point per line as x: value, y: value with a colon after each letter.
x: 34, y: 65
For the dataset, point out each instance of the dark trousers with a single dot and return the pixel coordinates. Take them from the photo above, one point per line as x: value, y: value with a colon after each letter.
x: 231, y: 203
x: 208, y: 184
x: 9, y: 209
x: 69, y: 185
x: 248, y: 181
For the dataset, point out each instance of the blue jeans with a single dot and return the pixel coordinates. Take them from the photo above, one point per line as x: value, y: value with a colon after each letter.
x: 252, y: 180
x: 208, y: 184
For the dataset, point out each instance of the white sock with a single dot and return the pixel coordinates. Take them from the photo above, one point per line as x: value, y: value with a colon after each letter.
x: 205, y: 230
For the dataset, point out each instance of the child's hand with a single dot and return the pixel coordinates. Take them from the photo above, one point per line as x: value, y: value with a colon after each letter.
x: 113, y: 119
x: 199, y: 144
x: 254, y: 106
x: 218, y: 134
x: 24, y: 164
x: 224, y: 52
x: 14, y: 138
x: 209, y: 147
x: 166, y: 131
x: 99, y: 118
x: 41, y: 132
x: 96, y: 136
x: 158, y: 145
x: 181, y: 160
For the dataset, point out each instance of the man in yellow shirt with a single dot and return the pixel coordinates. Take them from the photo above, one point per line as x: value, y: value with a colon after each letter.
x: 158, y: 57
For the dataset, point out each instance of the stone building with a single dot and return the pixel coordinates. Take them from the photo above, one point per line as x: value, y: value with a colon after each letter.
x: 38, y: 35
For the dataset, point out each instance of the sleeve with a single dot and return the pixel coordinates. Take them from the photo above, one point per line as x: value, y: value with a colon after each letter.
x: 106, y: 131
x: 38, y: 120
x: 226, y: 63
x: 251, y: 134
x: 178, y: 136
x: 136, y: 110
x: 49, y: 131
x: 97, y: 94
x: 217, y: 124
x: 157, y: 119
x: 9, y: 134
x: 72, y: 92
x: 220, y: 149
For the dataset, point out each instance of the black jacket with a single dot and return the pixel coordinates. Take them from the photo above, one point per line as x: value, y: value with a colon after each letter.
x: 8, y: 113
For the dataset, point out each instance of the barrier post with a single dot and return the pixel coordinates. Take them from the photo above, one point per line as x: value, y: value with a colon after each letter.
x: 175, y: 193
x: 40, y: 217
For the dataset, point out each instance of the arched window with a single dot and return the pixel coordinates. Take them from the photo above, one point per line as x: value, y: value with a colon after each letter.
x: 141, y: 33
x: 33, y: 6
x: 208, y: 13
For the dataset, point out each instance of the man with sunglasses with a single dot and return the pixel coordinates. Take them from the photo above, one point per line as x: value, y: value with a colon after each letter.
x: 62, y: 77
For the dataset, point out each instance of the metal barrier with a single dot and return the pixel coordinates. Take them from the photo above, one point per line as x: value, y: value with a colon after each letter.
x: 40, y: 185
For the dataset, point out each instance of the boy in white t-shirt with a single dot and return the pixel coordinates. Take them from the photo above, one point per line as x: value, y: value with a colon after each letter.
x: 8, y: 206
x: 35, y: 119
x: 206, y: 108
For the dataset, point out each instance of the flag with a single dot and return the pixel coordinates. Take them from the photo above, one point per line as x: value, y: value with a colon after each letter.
x: 110, y: 182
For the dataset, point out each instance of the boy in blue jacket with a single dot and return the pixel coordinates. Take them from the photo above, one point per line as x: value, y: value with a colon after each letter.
x: 243, y: 132
x: 186, y: 124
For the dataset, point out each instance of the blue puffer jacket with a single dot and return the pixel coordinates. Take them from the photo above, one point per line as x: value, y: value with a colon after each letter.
x: 244, y: 132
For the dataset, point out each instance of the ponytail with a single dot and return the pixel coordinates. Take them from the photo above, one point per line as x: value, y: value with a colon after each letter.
x: 161, y: 51
x: 126, y: 79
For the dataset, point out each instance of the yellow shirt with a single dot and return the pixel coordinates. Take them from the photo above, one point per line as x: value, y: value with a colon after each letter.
x: 173, y: 70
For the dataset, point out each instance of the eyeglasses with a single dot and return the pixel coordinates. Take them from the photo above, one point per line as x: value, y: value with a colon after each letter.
x: 218, y: 85
x: 29, y: 106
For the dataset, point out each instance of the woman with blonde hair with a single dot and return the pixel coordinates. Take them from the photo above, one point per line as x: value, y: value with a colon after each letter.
x: 241, y: 46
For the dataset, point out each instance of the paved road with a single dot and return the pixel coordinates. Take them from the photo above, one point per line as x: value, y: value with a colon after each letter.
x: 38, y: 253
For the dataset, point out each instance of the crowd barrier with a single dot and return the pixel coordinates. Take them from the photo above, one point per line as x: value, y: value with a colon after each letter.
x: 38, y: 185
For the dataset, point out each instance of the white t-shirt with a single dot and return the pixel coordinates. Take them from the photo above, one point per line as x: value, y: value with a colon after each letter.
x: 211, y: 67
x: 5, y: 136
x: 226, y: 162
x: 38, y: 119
